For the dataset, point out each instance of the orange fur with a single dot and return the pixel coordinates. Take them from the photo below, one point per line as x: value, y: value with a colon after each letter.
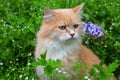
x: 59, y: 43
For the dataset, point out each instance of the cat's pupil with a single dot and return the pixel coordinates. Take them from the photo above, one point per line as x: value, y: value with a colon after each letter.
x: 75, y: 26
x: 62, y: 27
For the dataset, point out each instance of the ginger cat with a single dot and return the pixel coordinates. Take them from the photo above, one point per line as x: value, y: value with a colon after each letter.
x: 60, y: 34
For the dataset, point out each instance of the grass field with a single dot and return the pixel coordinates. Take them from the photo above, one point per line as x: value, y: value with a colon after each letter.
x: 21, y: 19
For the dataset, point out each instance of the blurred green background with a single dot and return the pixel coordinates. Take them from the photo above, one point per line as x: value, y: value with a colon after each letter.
x: 21, y: 19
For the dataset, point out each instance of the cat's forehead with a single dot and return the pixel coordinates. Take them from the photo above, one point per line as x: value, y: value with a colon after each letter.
x: 67, y: 16
x: 64, y: 12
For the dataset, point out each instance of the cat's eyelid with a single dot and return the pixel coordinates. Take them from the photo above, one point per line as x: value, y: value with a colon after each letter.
x: 76, y: 26
x: 63, y: 27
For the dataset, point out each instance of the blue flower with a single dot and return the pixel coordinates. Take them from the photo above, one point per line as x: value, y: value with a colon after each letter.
x: 92, y: 30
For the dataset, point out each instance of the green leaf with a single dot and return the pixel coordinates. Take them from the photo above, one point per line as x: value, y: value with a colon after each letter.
x: 32, y: 29
x: 43, y: 56
x: 48, y: 69
x: 58, y: 63
x: 34, y: 64
x: 86, y: 16
x: 102, y: 25
x: 42, y: 62
x: 112, y: 67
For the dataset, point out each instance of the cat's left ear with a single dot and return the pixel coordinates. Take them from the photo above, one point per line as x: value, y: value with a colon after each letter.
x: 48, y: 14
x: 78, y: 9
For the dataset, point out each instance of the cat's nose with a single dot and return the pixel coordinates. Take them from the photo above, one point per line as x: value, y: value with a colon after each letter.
x: 72, y: 35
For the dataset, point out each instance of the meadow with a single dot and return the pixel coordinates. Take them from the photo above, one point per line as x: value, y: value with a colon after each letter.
x: 21, y: 19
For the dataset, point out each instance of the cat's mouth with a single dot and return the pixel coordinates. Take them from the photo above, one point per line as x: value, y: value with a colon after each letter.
x: 68, y: 38
x: 71, y: 39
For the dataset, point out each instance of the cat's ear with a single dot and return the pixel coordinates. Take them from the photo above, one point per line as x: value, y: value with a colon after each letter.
x: 48, y: 14
x: 78, y: 9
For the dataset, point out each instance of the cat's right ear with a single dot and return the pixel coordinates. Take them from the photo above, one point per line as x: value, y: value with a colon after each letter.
x: 78, y: 9
x: 48, y: 14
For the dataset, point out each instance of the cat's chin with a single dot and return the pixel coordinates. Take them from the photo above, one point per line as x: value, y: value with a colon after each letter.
x: 69, y: 40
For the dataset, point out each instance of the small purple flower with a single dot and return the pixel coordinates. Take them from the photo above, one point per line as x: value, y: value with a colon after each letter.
x: 92, y: 30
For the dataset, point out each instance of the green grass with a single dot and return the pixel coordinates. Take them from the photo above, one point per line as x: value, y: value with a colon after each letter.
x: 21, y: 19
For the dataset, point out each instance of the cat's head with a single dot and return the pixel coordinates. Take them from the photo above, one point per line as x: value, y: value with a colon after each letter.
x: 62, y: 24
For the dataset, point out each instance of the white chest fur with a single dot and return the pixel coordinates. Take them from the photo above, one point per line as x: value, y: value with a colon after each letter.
x: 57, y: 50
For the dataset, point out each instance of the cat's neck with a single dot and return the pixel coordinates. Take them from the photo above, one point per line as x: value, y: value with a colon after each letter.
x: 58, y: 49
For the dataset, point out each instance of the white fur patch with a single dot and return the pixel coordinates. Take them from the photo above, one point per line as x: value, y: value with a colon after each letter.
x: 56, y: 50
x: 72, y: 32
x: 67, y: 37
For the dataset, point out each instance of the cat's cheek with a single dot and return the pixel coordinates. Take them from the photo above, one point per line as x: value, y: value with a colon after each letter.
x: 64, y: 38
x: 76, y: 35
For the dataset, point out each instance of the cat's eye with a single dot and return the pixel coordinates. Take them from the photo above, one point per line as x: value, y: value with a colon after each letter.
x: 75, y: 26
x: 62, y: 27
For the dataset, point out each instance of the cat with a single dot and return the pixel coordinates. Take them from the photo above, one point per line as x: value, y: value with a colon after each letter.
x: 60, y: 34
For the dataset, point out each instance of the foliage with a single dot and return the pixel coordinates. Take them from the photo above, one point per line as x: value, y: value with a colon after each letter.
x: 20, y: 20
x: 48, y: 65
x: 54, y: 68
x: 98, y: 72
